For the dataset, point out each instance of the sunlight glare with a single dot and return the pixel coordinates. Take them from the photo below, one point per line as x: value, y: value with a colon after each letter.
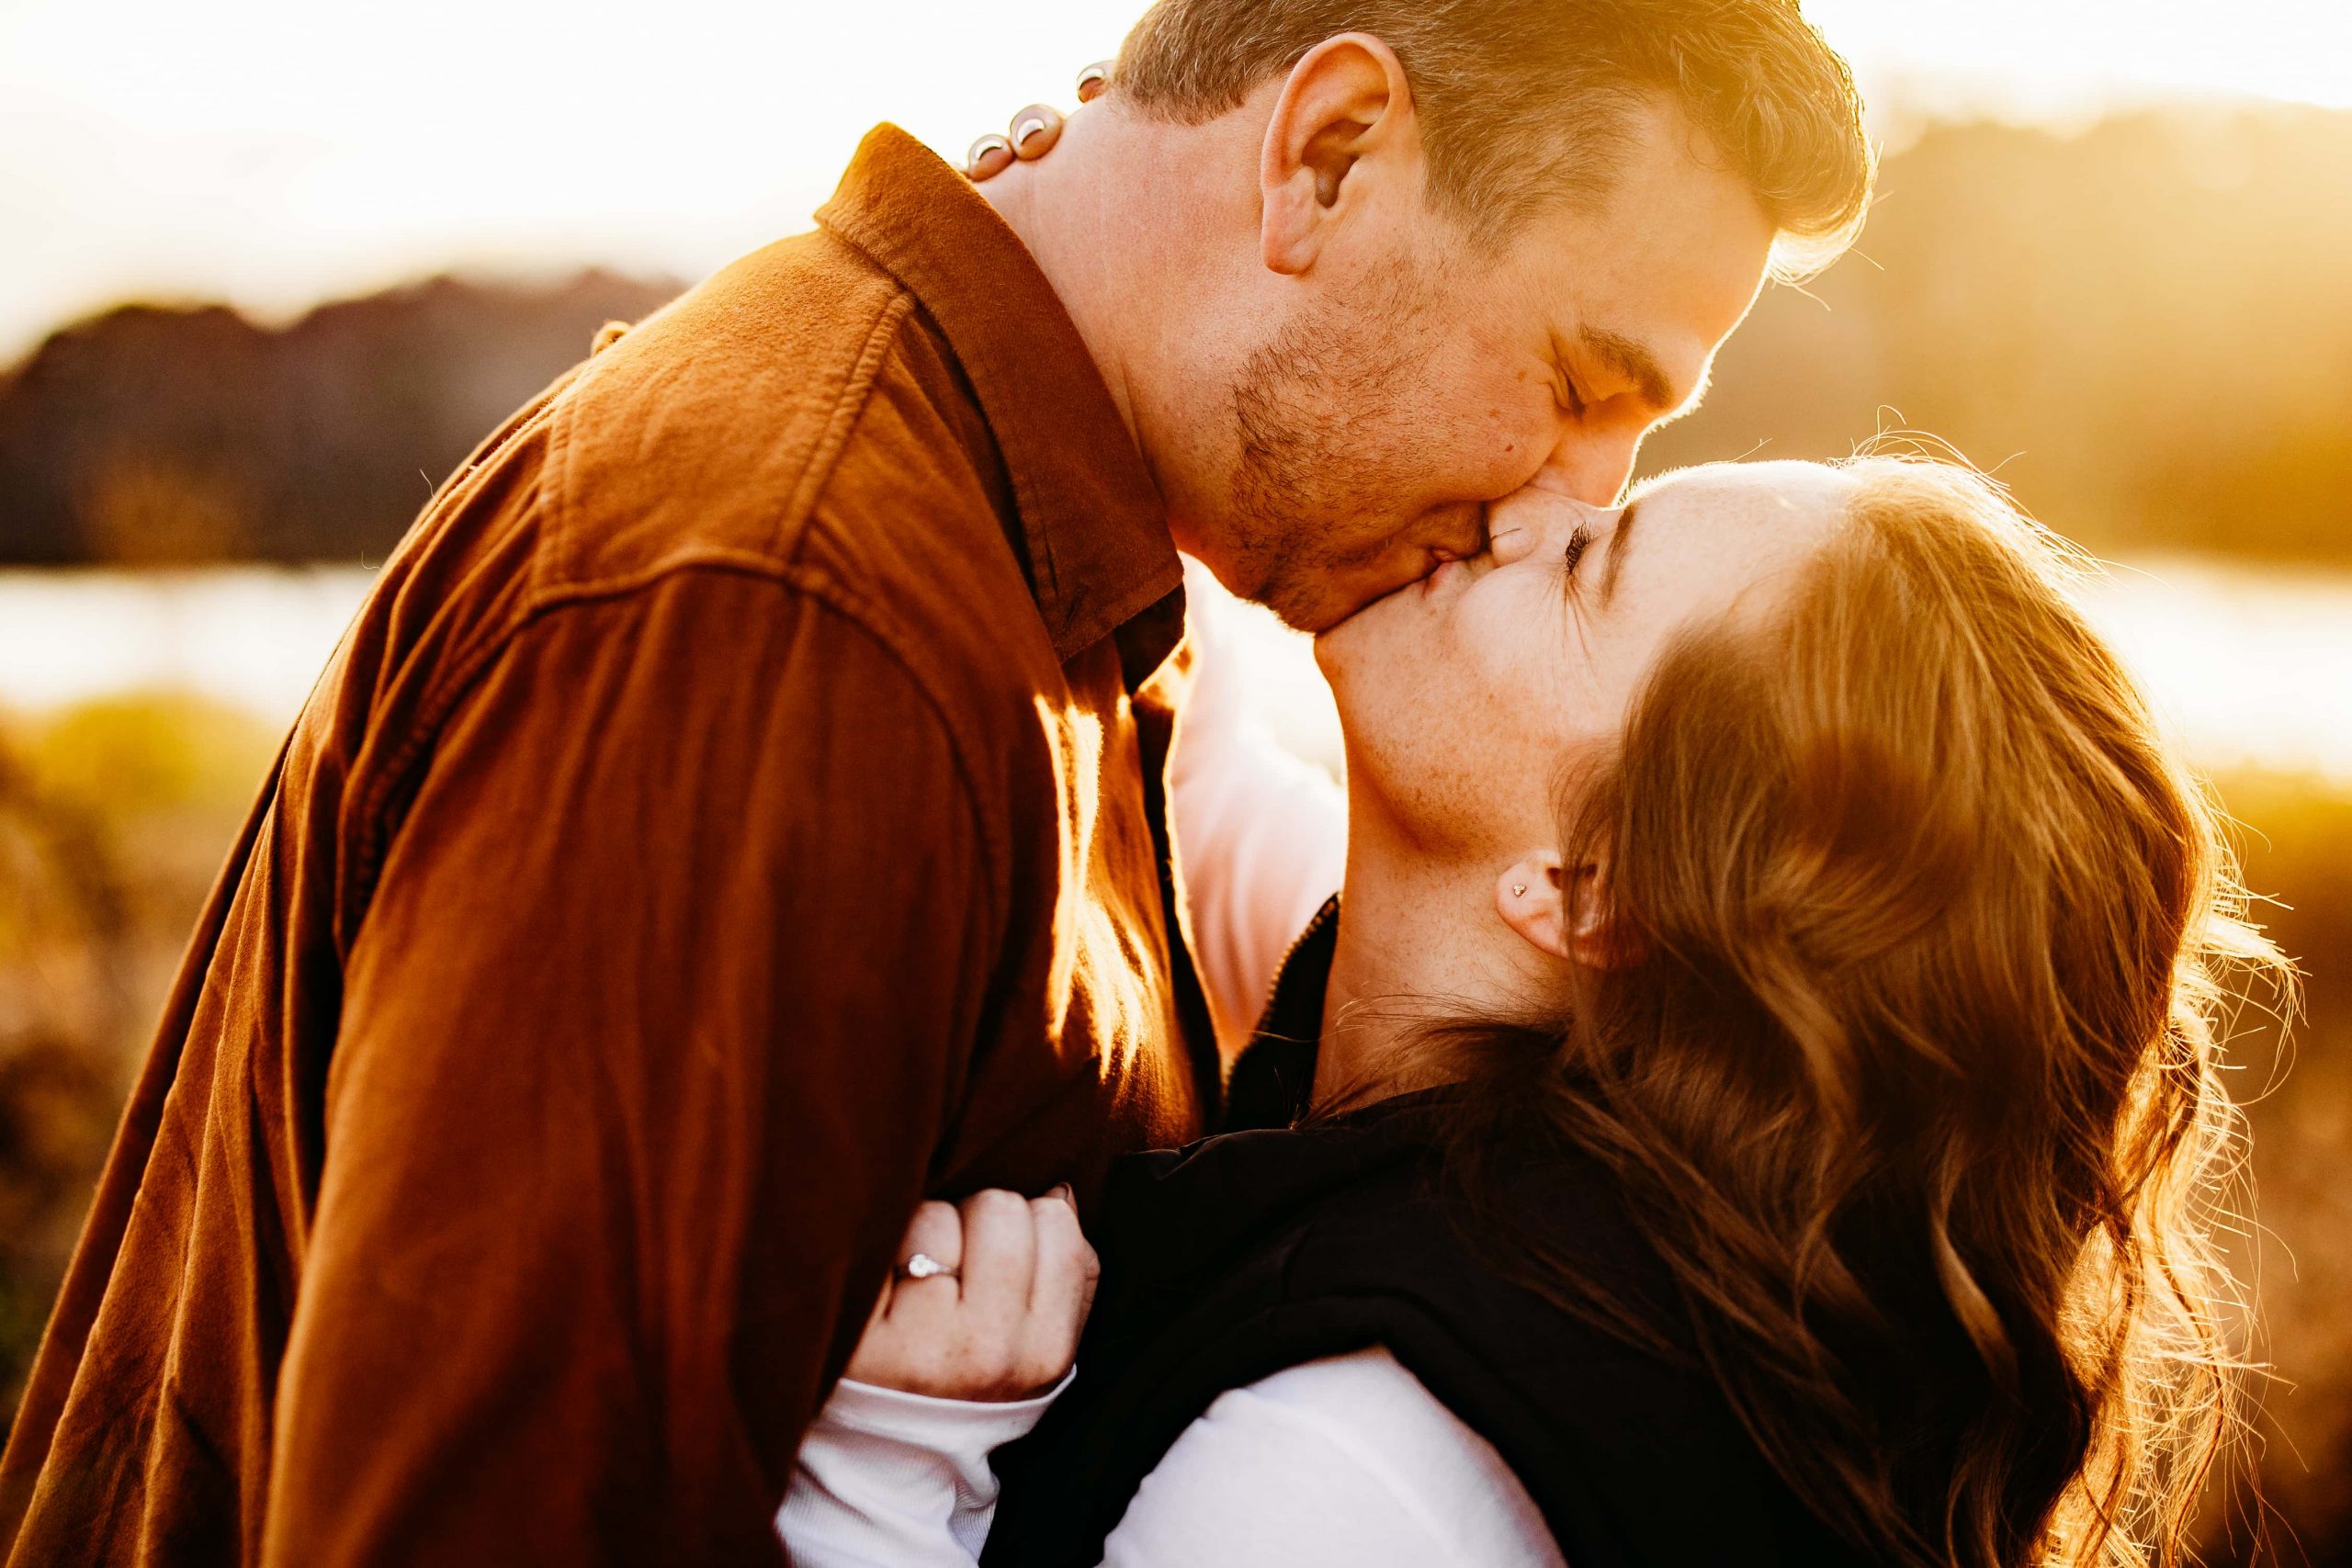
x: 276, y: 152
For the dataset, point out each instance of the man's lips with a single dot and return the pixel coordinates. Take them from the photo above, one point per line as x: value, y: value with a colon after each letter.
x: 1443, y: 577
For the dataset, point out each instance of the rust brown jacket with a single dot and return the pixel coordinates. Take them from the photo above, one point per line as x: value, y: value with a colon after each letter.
x: 732, y: 816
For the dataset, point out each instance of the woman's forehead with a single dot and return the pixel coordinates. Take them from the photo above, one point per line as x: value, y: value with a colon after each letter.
x: 1759, y: 492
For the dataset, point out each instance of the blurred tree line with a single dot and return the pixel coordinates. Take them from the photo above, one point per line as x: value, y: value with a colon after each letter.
x: 2142, y: 324
x: 155, y: 436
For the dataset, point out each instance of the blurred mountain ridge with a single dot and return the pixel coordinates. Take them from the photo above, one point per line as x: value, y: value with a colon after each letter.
x: 153, y: 436
x: 2141, y: 323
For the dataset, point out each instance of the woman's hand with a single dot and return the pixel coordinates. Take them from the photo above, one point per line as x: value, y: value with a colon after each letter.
x: 1032, y: 132
x: 986, y: 1301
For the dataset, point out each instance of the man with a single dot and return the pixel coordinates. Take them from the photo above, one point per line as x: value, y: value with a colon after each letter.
x: 735, y: 814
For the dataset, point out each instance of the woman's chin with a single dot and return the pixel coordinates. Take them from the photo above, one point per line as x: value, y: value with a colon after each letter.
x: 1339, y: 646
x: 1358, y: 656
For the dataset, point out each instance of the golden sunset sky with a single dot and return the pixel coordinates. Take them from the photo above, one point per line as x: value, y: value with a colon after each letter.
x: 273, y: 153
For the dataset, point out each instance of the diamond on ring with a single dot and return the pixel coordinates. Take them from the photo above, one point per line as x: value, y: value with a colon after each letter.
x: 922, y: 1265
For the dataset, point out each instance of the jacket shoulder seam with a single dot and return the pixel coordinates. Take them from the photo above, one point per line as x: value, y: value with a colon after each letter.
x: 849, y: 404
x: 551, y: 571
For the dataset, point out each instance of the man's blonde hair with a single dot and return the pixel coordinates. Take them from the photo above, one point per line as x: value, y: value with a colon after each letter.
x: 1529, y: 105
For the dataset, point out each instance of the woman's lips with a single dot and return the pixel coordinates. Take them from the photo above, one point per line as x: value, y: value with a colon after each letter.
x: 1419, y: 589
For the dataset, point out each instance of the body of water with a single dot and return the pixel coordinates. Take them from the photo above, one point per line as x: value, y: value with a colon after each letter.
x: 2253, y: 667
x: 254, y: 637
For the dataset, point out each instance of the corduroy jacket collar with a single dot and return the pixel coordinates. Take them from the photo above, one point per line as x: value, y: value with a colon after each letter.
x: 1099, y: 557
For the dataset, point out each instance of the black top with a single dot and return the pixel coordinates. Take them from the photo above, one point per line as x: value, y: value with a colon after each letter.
x: 1271, y: 1245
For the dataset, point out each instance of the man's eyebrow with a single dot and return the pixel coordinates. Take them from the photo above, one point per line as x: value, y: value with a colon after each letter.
x: 1636, y: 362
x: 1619, y: 538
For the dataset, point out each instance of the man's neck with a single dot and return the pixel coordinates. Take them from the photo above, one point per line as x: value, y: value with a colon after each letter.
x: 1071, y: 210
x: 1420, y: 942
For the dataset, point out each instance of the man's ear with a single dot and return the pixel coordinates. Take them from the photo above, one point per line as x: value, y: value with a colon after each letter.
x: 1346, y: 100
x: 1564, y: 912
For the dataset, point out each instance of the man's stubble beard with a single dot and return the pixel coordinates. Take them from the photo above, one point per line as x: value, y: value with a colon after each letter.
x: 1324, y: 412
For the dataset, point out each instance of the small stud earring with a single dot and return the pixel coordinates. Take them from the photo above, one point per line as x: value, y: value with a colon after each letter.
x: 1519, y: 889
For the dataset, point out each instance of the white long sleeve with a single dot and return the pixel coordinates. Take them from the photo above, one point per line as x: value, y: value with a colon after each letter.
x: 1346, y: 1463
x: 893, y: 1480
x: 1260, y: 835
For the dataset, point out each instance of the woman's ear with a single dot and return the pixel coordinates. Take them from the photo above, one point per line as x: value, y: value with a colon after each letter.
x: 1564, y: 912
x: 1345, y: 101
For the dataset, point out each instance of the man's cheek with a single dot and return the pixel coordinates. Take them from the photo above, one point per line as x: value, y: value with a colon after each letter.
x: 1508, y: 449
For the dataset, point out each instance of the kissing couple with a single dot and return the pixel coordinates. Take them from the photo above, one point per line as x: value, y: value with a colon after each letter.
x: 766, y: 890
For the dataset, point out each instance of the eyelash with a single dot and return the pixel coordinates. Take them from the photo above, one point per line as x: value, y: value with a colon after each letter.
x: 1578, y: 542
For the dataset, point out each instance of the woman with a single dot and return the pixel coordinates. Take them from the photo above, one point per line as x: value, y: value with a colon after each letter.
x: 1758, y: 1106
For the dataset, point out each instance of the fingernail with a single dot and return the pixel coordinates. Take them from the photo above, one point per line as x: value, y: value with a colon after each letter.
x: 1061, y: 1190
x: 1091, y: 80
x: 983, y: 147
x: 1024, y: 131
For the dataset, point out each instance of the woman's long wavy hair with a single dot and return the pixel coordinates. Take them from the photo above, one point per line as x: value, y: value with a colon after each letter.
x: 1909, y: 1068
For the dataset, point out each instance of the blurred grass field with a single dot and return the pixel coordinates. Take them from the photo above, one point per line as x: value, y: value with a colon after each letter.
x: 114, y: 817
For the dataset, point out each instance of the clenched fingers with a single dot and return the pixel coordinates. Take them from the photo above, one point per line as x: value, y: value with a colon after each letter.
x: 1061, y: 1291
x: 1030, y: 135
x: 1033, y: 130
x: 999, y: 1260
x: 1000, y: 1316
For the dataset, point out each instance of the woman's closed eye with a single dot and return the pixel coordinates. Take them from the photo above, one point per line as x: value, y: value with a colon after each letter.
x: 1578, y: 542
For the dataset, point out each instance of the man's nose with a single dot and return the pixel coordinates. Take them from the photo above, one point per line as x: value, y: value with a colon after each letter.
x: 1593, y: 465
